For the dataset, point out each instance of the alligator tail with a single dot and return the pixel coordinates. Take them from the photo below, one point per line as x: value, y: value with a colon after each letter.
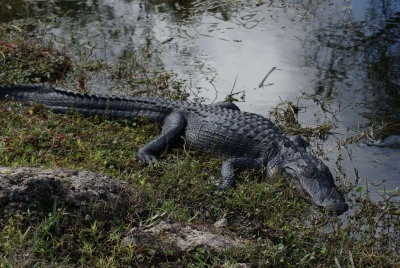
x: 19, y: 92
x: 60, y: 101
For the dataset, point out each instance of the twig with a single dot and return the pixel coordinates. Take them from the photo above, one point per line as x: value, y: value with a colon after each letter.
x: 265, y: 78
x: 273, y: 17
x: 234, y: 84
x: 214, y: 37
x: 337, y: 263
x: 167, y: 41
x: 351, y: 259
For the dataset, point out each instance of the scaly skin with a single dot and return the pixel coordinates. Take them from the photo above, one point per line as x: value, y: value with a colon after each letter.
x: 245, y: 140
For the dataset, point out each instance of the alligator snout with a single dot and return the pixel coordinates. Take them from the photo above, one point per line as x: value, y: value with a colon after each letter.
x: 335, y: 202
x: 339, y: 207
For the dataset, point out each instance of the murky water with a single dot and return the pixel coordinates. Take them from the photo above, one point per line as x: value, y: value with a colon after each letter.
x: 343, y: 54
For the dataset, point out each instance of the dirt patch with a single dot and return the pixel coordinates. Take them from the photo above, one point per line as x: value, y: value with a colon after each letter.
x: 76, y: 191
x: 182, y: 237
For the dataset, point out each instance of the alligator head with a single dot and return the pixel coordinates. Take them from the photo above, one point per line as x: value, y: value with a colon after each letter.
x: 311, y: 177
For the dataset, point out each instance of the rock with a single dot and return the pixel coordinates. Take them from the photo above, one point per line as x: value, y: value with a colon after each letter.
x: 221, y: 223
x: 236, y: 265
x: 39, y: 189
x: 182, y: 237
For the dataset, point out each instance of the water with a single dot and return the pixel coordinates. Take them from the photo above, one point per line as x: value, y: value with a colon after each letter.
x: 344, y: 55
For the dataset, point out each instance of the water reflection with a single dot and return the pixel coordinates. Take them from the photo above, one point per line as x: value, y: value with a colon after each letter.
x: 383, y: 69
x: 362, y: 57
x: 344, y: 54
x: 357, y: 61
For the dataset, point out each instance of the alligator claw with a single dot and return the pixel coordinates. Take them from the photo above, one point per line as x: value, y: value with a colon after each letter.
x: 218, y: 188
x: 146, y: 159
x: 221, y: 186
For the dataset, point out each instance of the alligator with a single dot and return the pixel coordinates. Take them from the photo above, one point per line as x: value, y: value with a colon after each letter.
x: 245, y: 140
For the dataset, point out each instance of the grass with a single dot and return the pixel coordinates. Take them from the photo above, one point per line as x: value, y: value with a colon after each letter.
x: 23, y: 61
x: 284, y: 230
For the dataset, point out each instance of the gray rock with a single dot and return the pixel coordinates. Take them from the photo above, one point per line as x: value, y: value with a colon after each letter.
x: 39, y: 189
x: 182, y: 238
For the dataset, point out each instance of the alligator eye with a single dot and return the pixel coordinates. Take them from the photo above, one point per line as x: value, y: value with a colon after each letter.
x: 287, y: 144
x: 307, y: 168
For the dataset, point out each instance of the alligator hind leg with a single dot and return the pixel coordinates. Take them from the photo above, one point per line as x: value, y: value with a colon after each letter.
x: 172, y: 130
x: 232, y: 166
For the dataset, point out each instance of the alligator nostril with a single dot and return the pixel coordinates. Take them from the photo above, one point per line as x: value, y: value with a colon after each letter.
x: 309, y: 171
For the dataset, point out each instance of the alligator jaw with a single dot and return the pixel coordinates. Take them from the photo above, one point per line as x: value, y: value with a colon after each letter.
x: 333, y: 202
x: 339, y: 208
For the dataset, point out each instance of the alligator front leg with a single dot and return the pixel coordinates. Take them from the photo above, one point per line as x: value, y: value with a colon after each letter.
x: 300, y: 142
x: 232, y: 166
x: 173, y: 128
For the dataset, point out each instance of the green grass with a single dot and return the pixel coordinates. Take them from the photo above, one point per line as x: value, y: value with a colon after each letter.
x: 283, y: 228
x: 24, y: 61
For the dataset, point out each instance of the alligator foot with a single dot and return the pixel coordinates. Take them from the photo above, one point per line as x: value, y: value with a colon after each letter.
x: 173, y: 127
x: 233, y: 165
x: 146, y: 158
